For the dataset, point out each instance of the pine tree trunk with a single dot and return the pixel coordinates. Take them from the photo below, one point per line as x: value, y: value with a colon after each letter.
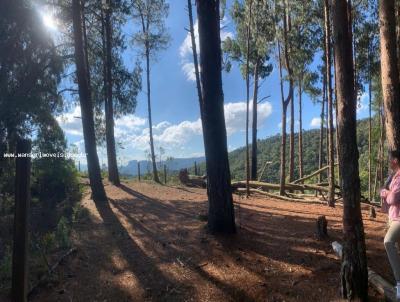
x: 301, y: 174
x: 113, y: 175
x: 221, y: 218
x: 195, y: 56
x: 390, y: 73
x: 285, y: 102
x: 85, y: 99
x: 287, y: 29
x: 152, y: 153
x: 354, y: 272
x: 321, y: 131
x: 254, y: 126
x: 369, y: 128
x: 248, y: 100
x: 291, y: 142
x: 336, y: 132
x: 331, y: 176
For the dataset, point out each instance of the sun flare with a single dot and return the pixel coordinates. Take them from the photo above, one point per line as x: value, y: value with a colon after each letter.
x: 49, y: 21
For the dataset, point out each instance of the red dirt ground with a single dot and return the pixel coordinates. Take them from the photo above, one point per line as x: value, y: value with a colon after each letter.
x: 150, y: 244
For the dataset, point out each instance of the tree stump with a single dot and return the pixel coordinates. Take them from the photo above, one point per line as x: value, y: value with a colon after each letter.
x: 322, y: 227
x: 183, y: 176
x: 372, y: 212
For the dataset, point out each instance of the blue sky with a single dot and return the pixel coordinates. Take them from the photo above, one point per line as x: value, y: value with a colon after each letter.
x: 175, y: 107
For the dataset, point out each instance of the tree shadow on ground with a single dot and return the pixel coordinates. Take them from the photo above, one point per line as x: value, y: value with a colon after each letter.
x: 158, y: 249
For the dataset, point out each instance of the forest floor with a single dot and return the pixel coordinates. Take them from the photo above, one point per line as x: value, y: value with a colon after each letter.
x: 150, y: 243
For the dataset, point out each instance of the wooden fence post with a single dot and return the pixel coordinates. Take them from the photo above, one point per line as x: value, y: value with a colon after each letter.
x: 195, y: 168
x: 138, y: 168
x: 165, y: 174
x: 19, y: 290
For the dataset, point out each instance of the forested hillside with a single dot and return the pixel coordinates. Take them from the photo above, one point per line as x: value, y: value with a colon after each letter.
x: 269, y: 150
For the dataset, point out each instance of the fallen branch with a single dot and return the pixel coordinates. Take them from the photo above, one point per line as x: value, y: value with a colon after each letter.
x: 276, y: 196
x: 265, y: 185
x: 311, y: 175
x: 288, y: 186
x: 51, y: 270
x: 380, y: 284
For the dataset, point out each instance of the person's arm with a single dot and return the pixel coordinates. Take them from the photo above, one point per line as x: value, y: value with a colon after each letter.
x: 393, y: 196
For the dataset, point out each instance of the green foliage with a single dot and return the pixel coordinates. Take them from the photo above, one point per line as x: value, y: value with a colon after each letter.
x: 63, y: 233
x: 150, y: 17
x: 48, y: 242
x: 30, y: 71
x: 269, y: 150
x: 5, y: 265
x: 261, y: 37
x: 54, y: 179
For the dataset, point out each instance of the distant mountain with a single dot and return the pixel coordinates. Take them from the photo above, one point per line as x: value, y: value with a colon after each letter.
x: 173, y: 165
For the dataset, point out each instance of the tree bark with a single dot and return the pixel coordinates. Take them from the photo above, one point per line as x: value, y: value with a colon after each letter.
x: 113, y: 175
x: 248, y: 99
x: 221, y: 218
x: 291, y: 141
x: 321, y: 131
x: 20, y: 266
x: 331, y: 176
x: 354, y: 272
x: 285, y: 102
x: 390, y: 73
x: 85, y: 99
x: 153, y: 155
x: 254, y: 126
x: 301, y: 174
x: 195, y: 57
x: 369, y: 127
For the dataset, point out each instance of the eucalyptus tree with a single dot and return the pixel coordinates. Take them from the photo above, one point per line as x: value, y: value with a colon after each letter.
x: 302, y: 38
x: 221, y: 216
x: 366, y: 41
x: 294, y: 25
x: 151, y: 38
x: 251, y: 48
x: 354, y: 271
x: 282, y: 27
x: 305, y: 38
x: 328, y: 70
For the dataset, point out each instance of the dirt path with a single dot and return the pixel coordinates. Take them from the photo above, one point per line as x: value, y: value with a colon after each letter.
x: 150, y: 244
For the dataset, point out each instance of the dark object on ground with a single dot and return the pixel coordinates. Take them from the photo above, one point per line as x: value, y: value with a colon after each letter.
x: 192, y: 180
x: 322, y: 227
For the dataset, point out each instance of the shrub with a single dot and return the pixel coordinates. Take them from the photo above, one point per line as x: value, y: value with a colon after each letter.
x: 63, y: 233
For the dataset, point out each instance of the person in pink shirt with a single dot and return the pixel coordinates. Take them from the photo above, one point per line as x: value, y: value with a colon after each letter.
x: 391, y: 203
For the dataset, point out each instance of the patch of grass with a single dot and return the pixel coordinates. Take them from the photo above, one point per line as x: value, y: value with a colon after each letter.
x: 63, y: 233
x: 5, y: 267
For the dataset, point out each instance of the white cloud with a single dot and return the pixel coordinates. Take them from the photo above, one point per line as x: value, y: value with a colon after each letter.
x: 130, y: 121
x: 189, y: 71
x: 186, y: 53
x: 71, y: 122
x: 315, y: 122
x: 132, y: 131
x: 178, y: 135
x: 235, y: 115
